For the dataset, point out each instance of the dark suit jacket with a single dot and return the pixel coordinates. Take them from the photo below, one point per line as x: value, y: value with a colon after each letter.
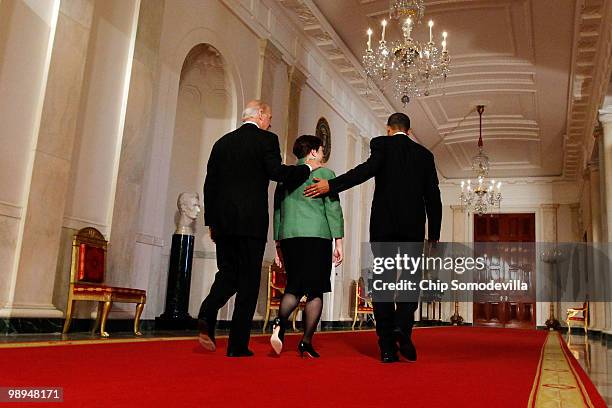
x: 240, y: 168
x: 406, y: 189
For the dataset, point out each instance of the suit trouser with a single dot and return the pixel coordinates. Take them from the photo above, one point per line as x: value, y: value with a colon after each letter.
x: 239, y: 261
x: 391, y: 317
x: 397, y: 314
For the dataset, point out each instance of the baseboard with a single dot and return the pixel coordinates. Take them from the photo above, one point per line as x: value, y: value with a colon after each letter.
x: 11, y: 326
x: 19, y: 325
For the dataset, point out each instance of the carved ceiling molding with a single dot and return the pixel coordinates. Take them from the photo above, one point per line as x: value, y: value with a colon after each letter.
x: 591, y: 71
x: 310, y: 20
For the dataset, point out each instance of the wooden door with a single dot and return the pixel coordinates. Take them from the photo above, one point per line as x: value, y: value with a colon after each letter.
x: 506, y: 263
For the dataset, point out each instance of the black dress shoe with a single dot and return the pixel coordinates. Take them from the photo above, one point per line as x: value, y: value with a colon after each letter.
x: 408, y: 351
x: 241, y: 353
x: 307, y: 348
x: 206, y: 337
x: 389, y: 357
x: 406, y: 347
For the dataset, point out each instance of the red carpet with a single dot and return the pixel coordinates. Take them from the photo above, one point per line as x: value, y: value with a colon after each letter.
x: 456, y: 367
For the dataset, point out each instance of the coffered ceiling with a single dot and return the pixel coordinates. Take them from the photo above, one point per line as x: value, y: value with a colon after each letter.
x: 533, y: 63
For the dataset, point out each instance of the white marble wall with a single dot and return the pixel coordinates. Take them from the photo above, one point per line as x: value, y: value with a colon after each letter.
x: 114, y: 131
x: 52, y: 160
x: 203, y: 116
x: 27, y: 29
x: 117, y: 130
x: 102, y: 114
x: 187, y: 24
x: 27, y: 32
x: 274, y: 87
x: 605, y: 159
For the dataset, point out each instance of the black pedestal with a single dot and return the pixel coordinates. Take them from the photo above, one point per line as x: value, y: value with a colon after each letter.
x: 176, y: 315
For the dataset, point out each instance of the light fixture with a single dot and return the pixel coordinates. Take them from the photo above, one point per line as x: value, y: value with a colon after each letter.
x: 482, y: 196
x: 414, y: 68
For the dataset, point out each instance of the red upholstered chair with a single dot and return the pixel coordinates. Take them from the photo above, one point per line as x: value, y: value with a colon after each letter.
x: 277, y: 282
x: 87, y: 281
x: 580, y: 315
x: 363, y: 304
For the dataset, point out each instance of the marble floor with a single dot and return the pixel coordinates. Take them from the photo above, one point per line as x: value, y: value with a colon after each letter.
x: 595, y: 357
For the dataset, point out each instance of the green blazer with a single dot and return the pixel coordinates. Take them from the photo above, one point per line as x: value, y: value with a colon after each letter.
x: 296, y: 215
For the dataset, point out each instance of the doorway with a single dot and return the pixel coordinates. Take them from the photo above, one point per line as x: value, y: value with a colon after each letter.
x: 506, y: 308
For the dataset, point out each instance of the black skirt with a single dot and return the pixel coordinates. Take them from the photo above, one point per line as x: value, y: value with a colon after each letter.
x: 308, y: 263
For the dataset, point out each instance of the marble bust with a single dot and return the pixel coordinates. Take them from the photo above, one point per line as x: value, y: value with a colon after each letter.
x: 189, y: 208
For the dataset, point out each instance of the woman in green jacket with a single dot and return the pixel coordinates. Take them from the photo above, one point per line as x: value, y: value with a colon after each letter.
x: 304, y: 229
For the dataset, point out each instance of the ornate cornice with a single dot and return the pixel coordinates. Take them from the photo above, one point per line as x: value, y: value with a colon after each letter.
x: 277, y: 24
x: 591, y: 70
x: 324, y: 37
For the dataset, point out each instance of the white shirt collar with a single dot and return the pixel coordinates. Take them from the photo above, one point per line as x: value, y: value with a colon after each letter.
x: 405, y: 134
x: 251, y: 122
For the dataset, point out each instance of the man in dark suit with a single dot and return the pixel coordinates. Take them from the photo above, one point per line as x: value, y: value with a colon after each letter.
x: 240, y: 167
x: 406, y: 194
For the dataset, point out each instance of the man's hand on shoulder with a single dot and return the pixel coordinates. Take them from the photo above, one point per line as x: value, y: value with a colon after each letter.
x: 319, y: 188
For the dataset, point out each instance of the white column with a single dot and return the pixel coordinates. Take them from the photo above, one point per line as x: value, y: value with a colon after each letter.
x: 342, y: 276
x: 549, y: 234
x: 606, y: 121
x: 297, y: 80
x: 131, y: 243
x: 597, y: 312
x: 99, y: 136
x: 273, y: 88
x: 595, y: 200
x: 461, y: 234
x: 27, y: 30
x: 34, y: 284
x: 605, y: 117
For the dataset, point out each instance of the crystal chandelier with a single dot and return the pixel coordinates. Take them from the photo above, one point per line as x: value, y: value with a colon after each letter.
x: 481, y: 196
x: 411, y: 67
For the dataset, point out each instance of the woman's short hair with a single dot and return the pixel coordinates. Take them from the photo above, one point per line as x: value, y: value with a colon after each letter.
x: 304, y: 144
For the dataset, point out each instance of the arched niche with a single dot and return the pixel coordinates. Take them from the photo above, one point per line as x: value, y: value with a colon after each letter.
x: 204, y: 112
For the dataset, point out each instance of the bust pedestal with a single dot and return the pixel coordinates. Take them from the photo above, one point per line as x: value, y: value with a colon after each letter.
x: 176, y: 314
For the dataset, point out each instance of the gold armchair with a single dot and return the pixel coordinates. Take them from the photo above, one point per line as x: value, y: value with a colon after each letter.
x: 363, y: 305
x: 87, y: 281
x: 578, y: 314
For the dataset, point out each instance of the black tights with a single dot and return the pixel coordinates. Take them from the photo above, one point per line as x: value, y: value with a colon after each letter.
x: 311, y: 315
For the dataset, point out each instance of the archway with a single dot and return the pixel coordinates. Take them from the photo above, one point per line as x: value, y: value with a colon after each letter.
x: 204, y: 112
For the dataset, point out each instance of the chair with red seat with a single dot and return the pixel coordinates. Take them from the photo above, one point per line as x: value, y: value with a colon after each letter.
x: 578, y: 314
x: 87, y: 281
x: 363, y: 304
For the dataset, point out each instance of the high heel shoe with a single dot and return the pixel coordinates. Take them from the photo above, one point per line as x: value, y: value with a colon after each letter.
x: 276, y: 341
x: 307, y: 348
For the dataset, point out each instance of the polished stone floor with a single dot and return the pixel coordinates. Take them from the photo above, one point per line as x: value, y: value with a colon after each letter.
x: 78, y: 336
x: 595, y: 357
